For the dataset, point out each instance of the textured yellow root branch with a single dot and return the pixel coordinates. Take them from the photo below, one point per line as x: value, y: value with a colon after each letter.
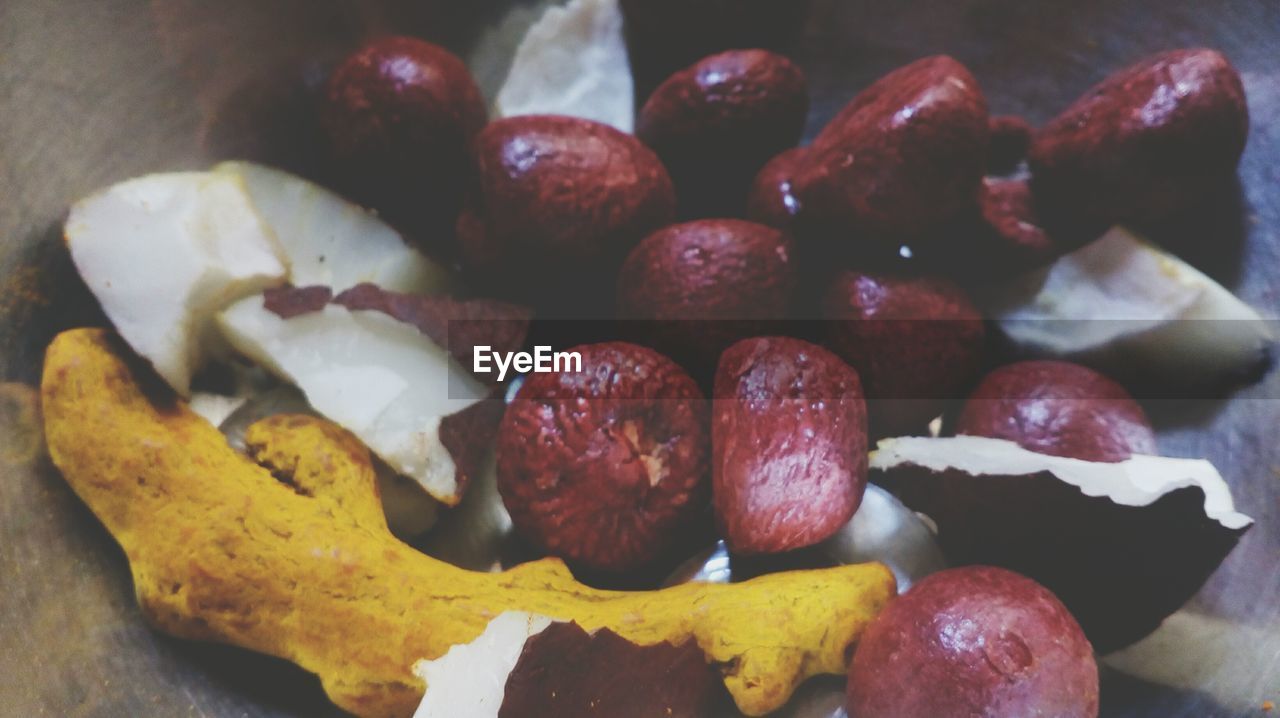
x: 301, y: 565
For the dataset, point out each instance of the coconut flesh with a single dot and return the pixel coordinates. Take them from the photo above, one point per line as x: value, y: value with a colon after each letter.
x: 1123, y: 305
x: 328, y: 241
x: 163, y: 253
x: 377, y: 377
x: 471, y: 679
x: 573, y: 61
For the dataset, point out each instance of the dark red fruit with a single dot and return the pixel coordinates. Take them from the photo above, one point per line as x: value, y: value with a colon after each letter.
x: 917, y: 343
x: 789, y: 444
x: 899, y: 162
x: 605, y: 466
x: 772, y: 199
x: 1058, y: 408
x: 974, y: 641
x: 705, y: 282
x: 1150, y: 139
x: 399, y: 114
x: 717, y: 122
x: 559, y: 203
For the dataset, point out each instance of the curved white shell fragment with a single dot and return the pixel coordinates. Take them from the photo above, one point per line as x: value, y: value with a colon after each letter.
x: 1121, y: 302
x: 1137, y: 481
x: 573, y: 61
x: 471, y: 679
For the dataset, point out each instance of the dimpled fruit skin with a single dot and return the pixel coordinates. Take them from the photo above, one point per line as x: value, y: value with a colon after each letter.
x: 705, y: 281
x: 1145, y: 141
x: 709, y: 269
x: 974, y: 641
x: 917, y: 342
x: 603, y: 467
x: 560, y: 195
x: 717, y: 122
x: 902, y: 159
x: 403, y: 105
x: 789, y: 445
x: 1058, y: 408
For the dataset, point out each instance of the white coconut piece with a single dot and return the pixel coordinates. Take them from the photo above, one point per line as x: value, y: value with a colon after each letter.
x: 885, y: 530
x: 329, y: 241
x: 1137, y: 481
x: 1119, y: 301
x: 163, y: 254
x: 471, y: 679
x: 573, y: 61
x: 379, y: 378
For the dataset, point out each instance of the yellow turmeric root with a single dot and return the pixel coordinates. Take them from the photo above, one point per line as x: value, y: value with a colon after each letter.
x: 300, y: 564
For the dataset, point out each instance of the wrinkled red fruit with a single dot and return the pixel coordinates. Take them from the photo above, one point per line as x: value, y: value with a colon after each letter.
x: 701, y: 280
x: 772, y: 199
x: 789, y: 445
x: 974, y: 641
x: 603, y: 467
x: 1010, y: 137
x: 399, y: 114
x: 900, y: 161
x: 917, y: 343
x: 717, y: 122
x: 559, y: 203
x: 1058, y: 408
x: 1148, y: 140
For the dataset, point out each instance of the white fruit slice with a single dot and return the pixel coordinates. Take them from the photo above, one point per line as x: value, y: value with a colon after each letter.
x: 379, y: 378
x: 1121, y: 302
x: 163, y: 253
x: 471, y: 679
x: 573, y: 61
x: 329, y: 241
x: 1137, y: 481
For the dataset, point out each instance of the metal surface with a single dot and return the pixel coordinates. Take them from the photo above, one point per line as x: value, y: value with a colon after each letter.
x: 95, y: 91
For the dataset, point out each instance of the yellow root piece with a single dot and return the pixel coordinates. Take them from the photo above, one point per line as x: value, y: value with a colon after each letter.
x: 300, y: 564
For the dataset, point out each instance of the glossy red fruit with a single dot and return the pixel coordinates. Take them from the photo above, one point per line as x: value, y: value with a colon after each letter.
x: 901, y: 160
x: 1058, y: 408
x: 708, y: 283
x: 559, y: 202
x: 717, y: 122
x: 917, y: 343
x: 975, y: 641
x: 772, y: 198
x: 789, y: 445
x: 605, y: 466
x: 399, y: 114
x: 1154, y: 137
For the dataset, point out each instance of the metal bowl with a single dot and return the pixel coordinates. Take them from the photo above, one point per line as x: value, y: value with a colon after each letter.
x: 93, y: 92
